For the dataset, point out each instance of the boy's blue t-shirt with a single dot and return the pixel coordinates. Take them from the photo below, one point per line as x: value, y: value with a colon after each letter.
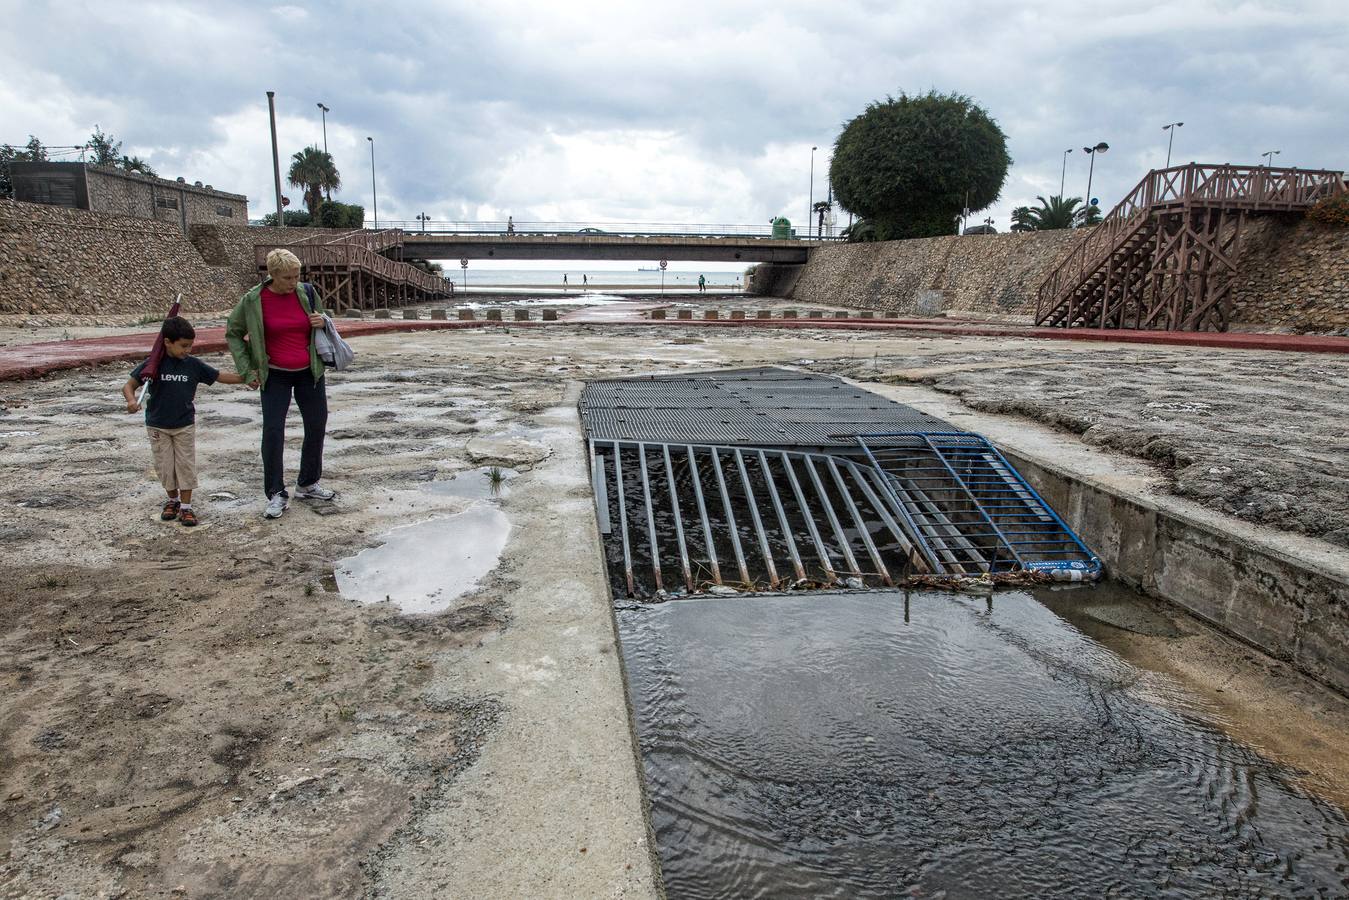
x: 171, y: 394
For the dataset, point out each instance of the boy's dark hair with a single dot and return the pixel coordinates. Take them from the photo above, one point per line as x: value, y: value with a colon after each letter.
x: 176, y: 328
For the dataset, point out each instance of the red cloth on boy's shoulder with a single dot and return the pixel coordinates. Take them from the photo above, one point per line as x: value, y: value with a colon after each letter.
x: 285, y: 329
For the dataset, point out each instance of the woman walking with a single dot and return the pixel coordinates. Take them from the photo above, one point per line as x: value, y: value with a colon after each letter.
x: 271, y: 335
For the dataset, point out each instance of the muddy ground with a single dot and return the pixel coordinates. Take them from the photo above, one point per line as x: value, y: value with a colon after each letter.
x: 200, y: 713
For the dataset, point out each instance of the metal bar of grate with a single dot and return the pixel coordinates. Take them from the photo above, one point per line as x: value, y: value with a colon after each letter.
x: 702, y: 514
x: 731, y: 528
x: 623, y: 521
x: 782, y: 518
x: 758, y: 522
x: 650, y: 518
x: 678, y: 518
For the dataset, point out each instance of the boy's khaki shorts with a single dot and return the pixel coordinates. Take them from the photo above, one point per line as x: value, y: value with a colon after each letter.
x: 175, y: 453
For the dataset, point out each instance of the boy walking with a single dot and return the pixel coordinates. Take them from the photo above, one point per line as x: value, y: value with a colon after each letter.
x: 170, y: 416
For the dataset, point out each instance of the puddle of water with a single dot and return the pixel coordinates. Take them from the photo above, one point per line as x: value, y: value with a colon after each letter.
x: 475, y: 484
x: 423, y: 568
x: 856, y: 745
x: 10, y: 434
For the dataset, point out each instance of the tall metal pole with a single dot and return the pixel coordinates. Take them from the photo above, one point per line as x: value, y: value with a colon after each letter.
x: 276, y: 159
x: 1269, y: 157
x: 374, y: 196
x: 810, y: 204
x: 1090, y: 170
x: 323, y: 111
x: 1064, y: 174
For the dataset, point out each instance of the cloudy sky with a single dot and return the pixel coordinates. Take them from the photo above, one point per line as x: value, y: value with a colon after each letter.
x: 692, y: 112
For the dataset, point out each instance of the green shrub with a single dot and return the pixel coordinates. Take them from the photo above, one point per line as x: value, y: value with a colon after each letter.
x: 1332, y: 211
x: 332, y: 214
x: 295, y: 218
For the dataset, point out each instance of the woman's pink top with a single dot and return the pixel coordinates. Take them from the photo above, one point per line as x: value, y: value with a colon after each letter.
x: 285, y: 330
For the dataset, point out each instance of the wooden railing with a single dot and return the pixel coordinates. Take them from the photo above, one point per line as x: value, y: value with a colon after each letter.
x: 1255, y: 188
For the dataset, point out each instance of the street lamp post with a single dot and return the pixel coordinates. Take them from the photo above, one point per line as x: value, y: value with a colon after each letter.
x: 276, y: 160
x: 1269, y: 157
x: 323, y: 112
x: 1170, y: 138
x: 810, y: 204
x: 374, y: 196
x: 1091, y: 170
x: 1063, y: 175
x: 423, y: 218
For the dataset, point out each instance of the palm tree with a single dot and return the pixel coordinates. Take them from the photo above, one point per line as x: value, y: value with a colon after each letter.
x: 1050, y: 215
x: 1087, y: 215
x: 313, y: 170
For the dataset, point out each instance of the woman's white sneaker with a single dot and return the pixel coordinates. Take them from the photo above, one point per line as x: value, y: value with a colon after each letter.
x: 276, y: 506
x: 314, y: 491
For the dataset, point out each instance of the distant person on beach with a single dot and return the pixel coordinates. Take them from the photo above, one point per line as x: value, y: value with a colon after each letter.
x: 702, y: 283
x: 271, y: 334
x: 564, y: 280
x: 585, y: 280
x: 171, y: 417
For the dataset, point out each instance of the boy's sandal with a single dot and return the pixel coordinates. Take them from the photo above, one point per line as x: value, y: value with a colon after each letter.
x: 187, y: 517
x: 170, y: 511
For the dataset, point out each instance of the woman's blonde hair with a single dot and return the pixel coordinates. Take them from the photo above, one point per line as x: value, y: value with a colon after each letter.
x: 281, y: 261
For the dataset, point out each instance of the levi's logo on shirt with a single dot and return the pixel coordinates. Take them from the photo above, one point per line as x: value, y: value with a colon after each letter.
x: 166, y: 376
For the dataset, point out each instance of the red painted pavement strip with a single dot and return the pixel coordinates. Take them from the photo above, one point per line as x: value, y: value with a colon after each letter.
x: 34, y: 360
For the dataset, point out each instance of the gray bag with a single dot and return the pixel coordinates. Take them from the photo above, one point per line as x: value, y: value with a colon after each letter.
x: 335, y: 352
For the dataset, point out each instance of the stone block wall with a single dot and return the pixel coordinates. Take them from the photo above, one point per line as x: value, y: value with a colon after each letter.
x: 1293, y: 275
x: 990, y: 275
x: 60, y: 261
x: 116, y: 192
x: 233, y: 245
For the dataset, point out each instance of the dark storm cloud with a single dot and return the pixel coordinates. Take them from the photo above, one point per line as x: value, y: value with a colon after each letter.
x: 696, y: 111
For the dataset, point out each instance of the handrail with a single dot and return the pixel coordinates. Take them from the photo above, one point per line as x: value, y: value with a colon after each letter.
x: 1261, y: 188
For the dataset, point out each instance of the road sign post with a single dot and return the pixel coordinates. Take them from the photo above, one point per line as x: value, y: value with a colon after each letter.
x: 463, y: 263
x: 663, y: 264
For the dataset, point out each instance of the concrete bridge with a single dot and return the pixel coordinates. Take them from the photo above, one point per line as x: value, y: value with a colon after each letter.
x: 433, y: 245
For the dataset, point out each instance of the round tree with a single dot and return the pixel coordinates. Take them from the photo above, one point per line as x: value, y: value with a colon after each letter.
x: 908, y: 164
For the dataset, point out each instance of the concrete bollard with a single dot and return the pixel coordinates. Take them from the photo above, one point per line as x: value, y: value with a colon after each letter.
x: 522, y: 315
x: 685, y: 314
x: 438, y: 314
x: 840, y: 315
x: 412, y: 314
x: 466, y: 315
x: 353, y: 314
x: 737, y: 314
x: 764, y: 314
x: 815, y: 314
x: 710, y: 314
x: 789, y: 314
x: 550, y: 315
x: 657, y: 313
x: 494, y: 315
x: 382, y: 314
x: 866, y: 314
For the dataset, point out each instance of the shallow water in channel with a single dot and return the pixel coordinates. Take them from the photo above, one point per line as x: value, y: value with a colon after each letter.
x: 855, y: 745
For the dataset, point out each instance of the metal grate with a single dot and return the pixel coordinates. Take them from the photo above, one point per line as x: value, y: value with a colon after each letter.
x: 972, y: 510
x: 695, y: 516
x: 766, y: 406
x: 771, y: 479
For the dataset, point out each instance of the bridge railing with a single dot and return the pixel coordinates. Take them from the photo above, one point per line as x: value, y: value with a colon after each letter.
x: 597, y: 229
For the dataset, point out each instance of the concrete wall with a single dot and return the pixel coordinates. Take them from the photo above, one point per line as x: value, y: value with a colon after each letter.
x: 1287, y: 607
x: 55, y: 260
x: 992, y: 275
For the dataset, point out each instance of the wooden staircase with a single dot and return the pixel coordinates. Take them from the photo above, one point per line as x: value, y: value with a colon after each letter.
x: 1166, y: 256
x: 352, y: 271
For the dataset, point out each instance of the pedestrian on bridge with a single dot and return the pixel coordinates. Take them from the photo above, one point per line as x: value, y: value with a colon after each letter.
x: 510, y: 224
